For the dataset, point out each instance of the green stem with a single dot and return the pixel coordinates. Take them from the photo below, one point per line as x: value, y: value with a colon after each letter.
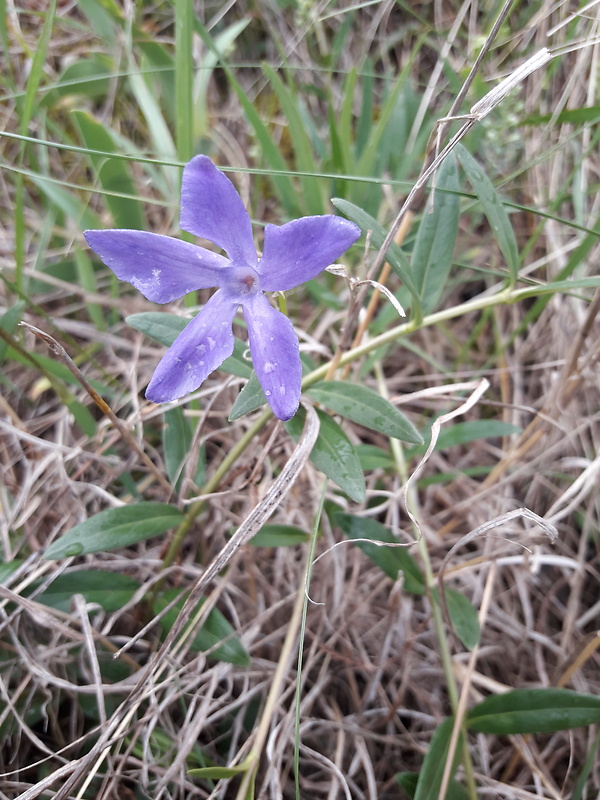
x: 246, y: 789
x: 412, y: 504
x: 184, y: 30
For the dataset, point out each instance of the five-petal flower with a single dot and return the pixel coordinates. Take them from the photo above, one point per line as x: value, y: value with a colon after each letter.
x: 165, y: 269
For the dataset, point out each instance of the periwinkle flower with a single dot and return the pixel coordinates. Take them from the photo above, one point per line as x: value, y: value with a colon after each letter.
x: 164, y: 269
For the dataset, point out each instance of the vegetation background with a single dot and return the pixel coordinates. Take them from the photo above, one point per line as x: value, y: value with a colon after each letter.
x: 112, y: 508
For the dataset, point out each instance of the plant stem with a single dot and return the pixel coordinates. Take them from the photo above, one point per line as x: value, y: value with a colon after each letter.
x: 412, y: 504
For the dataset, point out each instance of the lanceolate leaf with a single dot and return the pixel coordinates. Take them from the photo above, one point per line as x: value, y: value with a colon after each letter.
x: 366, y: 407
x: 432, y: 771
x: 493, y: 209
x: 390, y: 560
x: 115, y: 527
x: 463, y: 616
x: 534, y: 711
x: 279, y: 536
x: 110, y: 590
x: 394, y: 255
x: 432, y: 255
x: 216, y: 634
x: 333, y: 454
x: 249, y: 399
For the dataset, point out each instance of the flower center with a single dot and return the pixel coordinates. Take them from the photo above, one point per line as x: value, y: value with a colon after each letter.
x: 241, y: 281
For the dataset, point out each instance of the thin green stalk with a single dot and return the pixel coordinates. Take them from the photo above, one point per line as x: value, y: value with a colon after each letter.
x: 305, y: 588
x: 412, y: 504
x: 184, y: 111
x: 298, y: 620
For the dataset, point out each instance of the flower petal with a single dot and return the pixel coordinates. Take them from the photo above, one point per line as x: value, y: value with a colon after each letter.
x: 299, y: 250
x: 212, y: 209
x: 162, y: 268
x: 275, y: 355
x: 198, y: 350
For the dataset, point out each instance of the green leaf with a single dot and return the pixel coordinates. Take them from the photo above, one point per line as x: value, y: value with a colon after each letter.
x: 361, y: 404
x: 8, y: 567
x: 8, y: 322
x: 569, y: 116
x: 436, y: 237
x: 216, y: 635
x: 217, y: 773
x: 463, y: 616
x: 115, y: 527
x: 493, y: 210
x: 471, y: 431
x: 279, y: 536
x: 165, y: 328
x: 394, y: 255
x: 534, y: 711
x: 434, y: 764
x: 373, y: 457
x: 110, y: 590
x: 333, y: 454
x: 176, y: 438
x: 158, y: 325
x: 249, y: 399
x: 409, y: 780
x: 113, y: 173
x: 391, y: 560
x: 36, y: 69
x: 87, y: 76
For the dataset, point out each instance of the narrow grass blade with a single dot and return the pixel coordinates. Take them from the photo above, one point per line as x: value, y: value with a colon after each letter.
x: 436, y: 237
x: 303, y: 154
x: 493, y: 210
x: 113, y: 174
x: 270, y: 150
x: 184, y: 66
x: 25, y: 114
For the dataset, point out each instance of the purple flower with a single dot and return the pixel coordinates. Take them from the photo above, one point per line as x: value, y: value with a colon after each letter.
x: 165, y: 269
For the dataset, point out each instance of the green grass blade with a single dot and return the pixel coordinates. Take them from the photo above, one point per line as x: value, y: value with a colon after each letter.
x: 222, y: 43
x: 113, y: 174
x: 432, y: 255
x: 270, y: 150
x: 493, y: 209
x: 184, y: 66
x: 25, y: 114
x: 305, y: 162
